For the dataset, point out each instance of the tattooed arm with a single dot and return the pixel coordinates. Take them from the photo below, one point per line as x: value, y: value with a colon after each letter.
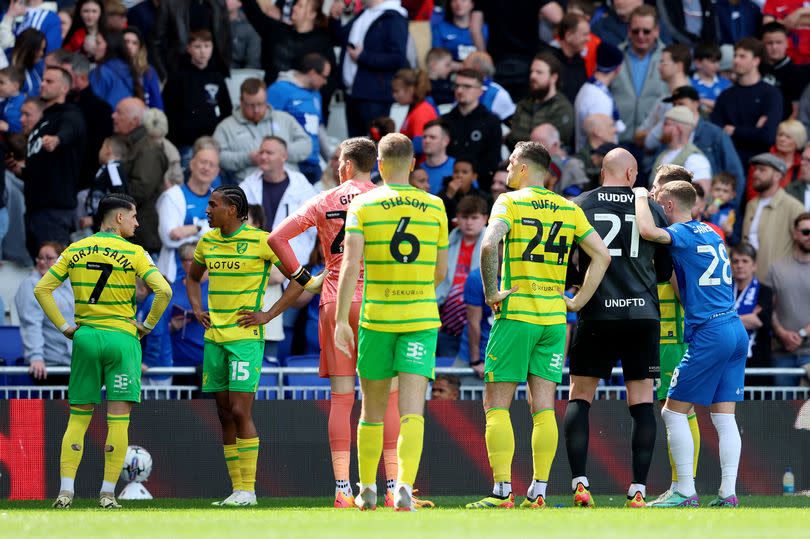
x: 644, y: 219
x: 495, y: 232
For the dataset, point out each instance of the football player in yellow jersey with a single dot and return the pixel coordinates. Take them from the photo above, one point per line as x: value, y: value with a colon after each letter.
x: 238, y: 259
x: 102, y: 270
x: 399, y: 233
x: 527, y: 339
x: 672, y: 347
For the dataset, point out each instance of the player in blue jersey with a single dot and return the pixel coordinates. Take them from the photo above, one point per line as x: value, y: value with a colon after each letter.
x: 712, y: 371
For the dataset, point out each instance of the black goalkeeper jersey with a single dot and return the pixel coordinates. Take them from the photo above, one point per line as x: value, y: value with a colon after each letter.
x: 628, y: 291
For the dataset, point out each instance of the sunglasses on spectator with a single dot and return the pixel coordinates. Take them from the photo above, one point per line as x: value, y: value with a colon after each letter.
x: 645, y: 31
x: 805, y: 231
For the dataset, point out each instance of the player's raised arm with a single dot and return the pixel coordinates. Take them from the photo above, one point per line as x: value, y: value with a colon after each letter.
x: 43, y: 291
x: 644, y: 219
x: 495, y: 232
x: 595, y: 248
x: 349, y: 273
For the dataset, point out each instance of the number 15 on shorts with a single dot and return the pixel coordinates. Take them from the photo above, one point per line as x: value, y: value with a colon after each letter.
x: 239, y: 371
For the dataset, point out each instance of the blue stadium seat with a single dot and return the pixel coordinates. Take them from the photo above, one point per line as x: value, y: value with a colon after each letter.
x: 11, y: 349
x: 304, y: 379
x: 267, y: 380
x: 445, y: 361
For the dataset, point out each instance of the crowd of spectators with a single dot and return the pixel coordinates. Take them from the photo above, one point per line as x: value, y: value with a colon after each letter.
x: 132, y: 95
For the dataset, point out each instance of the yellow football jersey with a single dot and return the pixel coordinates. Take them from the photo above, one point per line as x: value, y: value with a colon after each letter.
x: 238, y: 266
x: 102, y: 270
x: 403, y: 228
x: 671, y: 315
x: 542, y: 227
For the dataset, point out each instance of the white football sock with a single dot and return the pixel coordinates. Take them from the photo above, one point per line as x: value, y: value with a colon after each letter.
x: 682, y: 448
x: 107, y: 486
x: 637, y: 487
x: 537, y: 488
x: 502, y: 489
x: 67, y: 484
x: 342, y: 485
x: 581, y: 479
x: 730, y: 447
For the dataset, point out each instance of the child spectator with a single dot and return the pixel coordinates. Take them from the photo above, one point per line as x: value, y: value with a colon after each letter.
x: 453, y: 33
x: 720, y: 211
x: 85, y: 27
x: 700, y: 205
x: 110, y: 178
x: 458, y: 186
x: 27, y: 55
x: 706, y: 81
x: 411, y: 87
x: 463, y: 256
x: 11, y: 81
x: 419, y: 179
x: 440, y: 66
x: 195, y: 97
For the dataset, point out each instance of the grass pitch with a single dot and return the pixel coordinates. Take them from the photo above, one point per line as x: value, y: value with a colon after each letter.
x: 311, y: 518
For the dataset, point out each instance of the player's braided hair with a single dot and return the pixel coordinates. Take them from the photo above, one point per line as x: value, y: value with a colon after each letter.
x: 235, y: 197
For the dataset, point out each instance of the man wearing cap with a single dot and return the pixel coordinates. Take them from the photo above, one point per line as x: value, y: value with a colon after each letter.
x: 715, y: 143
x: 595, y: 96
x: 769, y: 217
x: 679, y: 123
x: 638, y: 87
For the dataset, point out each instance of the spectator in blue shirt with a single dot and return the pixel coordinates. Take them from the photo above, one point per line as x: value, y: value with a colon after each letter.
x: 34, y: 15
x: 297, y: 92
x: 157, y: 348
x: 707, y: 82
x: 12, y: 99
x: 453, y: 31
x: 186, y: 332
x: 438, y: 165
x: 27, y: 56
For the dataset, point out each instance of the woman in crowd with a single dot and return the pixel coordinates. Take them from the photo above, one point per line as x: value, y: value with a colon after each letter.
x: 85, y: 28
x: 115, y: 77
x: 43, y: 344
x: 181, y: 209
x: 147, y: 74
x: 66, y: 20
x: 27, y: 55
x: 791, y: 136
x: 411, y: 87
x: 453, y: 33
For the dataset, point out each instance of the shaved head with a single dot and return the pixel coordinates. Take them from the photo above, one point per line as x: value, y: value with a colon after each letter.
x: 619, y: 169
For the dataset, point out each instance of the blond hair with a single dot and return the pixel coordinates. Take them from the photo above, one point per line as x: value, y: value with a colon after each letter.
x: 683, y: 193
x: 795, y: 130
x: 395, y: 147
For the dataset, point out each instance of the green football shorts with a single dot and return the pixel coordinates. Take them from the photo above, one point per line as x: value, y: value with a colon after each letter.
x: 232, y: 366
x: 517, y: 349
x: 104, y: 358
x: 671, y: 355
x: 382, y: 355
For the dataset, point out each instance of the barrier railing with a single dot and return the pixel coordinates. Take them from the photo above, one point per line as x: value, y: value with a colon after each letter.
x: 283, y: 390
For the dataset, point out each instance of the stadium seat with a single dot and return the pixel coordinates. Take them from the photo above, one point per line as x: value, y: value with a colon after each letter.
x: 445, y: 361
x: 11, y: 350
x: 267, y: 380
x: 304, y: 379
x: 238, y: 76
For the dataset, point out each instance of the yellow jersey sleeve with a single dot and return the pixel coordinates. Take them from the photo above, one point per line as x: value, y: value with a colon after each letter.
x: 443, y: 242
x: 502, y: 211
x: 264, y: 250
x: 199, y: 254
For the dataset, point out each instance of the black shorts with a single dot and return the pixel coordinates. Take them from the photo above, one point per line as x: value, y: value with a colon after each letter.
x: 599, y: 344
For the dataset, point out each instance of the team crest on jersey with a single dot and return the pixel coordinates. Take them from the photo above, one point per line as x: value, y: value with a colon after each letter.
x: 241, y: 247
